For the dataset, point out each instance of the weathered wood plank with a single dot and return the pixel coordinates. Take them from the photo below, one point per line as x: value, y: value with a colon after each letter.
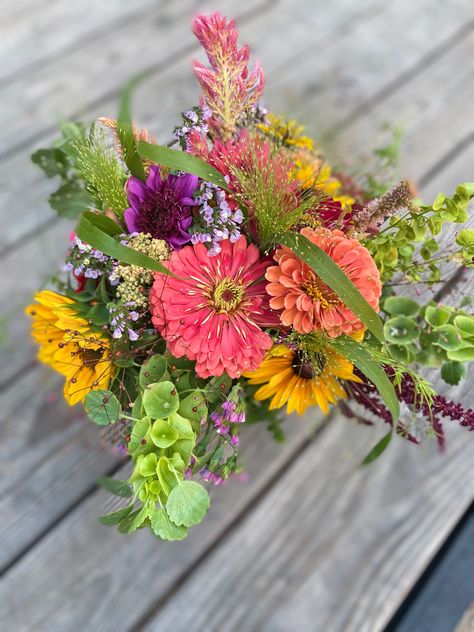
x: 26, y: 44
x: 331, y: 546
x: 96, y: 555
x: 467, y: 622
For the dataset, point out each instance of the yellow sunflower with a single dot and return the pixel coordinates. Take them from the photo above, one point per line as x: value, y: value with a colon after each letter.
x: 70, y: 346
x: 285, y: 132
x: 288, y: 379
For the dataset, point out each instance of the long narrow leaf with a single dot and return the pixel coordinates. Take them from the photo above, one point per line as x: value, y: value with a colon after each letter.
x: 331, y: 274
x: 175, y: 159
x: 361, y: 357
x: 97, y: 238
x: 378, y: 448
x: 125, y: 131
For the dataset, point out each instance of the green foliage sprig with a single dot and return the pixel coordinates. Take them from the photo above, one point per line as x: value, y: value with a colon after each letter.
x: 394, y: 247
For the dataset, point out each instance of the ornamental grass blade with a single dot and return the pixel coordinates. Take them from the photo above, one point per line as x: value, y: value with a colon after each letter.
x: 92, y: 233
x: 331, y: 274
x: 125, y: 131
x: 362, y: 359
x: 180, y: 160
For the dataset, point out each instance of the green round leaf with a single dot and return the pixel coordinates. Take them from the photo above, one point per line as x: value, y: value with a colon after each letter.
x: 447, y: 337
x: 102, y: 407
x: 165, y: 529
x: 162, y: 434
x: 147, y: 465
x: 187, y: 503
x: 400, y: 330
x: 465, y: 324
x: 453, y: 372
x: 153, y: 370
x: 160, y: 400
x: 401, y: 353
x: 465, y: 353
x: 166, y: 476
x: 401, y: 306
x: 194, y: 407
x: 437, y: 316
x: 139, y: 430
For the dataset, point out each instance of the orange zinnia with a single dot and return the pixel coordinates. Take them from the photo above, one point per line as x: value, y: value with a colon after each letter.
x: 307, y: 303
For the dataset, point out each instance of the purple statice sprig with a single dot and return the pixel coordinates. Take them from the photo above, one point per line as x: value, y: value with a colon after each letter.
x: 231, y: 413
x: 83, y: 260
x: 216, y: 220
x: 193, y: 120
x: 123, y: 319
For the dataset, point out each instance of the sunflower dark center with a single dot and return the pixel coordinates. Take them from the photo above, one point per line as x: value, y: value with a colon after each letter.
x: 90, y: 357
x: 306, y: 368
x: 160, y: 213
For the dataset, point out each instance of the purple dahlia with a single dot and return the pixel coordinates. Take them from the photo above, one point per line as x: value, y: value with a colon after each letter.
x: 161, y: 208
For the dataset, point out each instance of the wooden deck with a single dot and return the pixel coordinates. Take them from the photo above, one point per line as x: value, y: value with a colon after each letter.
x: 311, y: 542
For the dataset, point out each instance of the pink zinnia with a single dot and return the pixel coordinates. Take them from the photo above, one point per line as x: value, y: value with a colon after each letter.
x: 214, y: 312
x: 307, y: 303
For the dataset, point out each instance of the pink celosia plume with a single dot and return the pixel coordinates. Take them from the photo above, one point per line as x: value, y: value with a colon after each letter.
x: 228, y: 87
x: 214, y: 312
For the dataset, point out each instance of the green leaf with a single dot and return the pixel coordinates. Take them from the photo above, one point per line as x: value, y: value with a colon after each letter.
x: 465, y: 353
x: 140, y: 518
x: 147, y: 465
x: 70, y: 200
x: 331, y: 274
x: 125, y: 131
x: 175, y: 159
x: 400, y: 330
x: 115, y: 487
x: 115, y: 516
x: 166, y: 475
x: 401, y: 306
x: 187, y: 439
x: 152, y: 370
x: 187, y: 503
x: 106, y: 224
x: 453, y: 372
x: 98, y: 314
x: 437, y: 316
x: 52, y: 161
x: 139, y: 430
x: 102, y: 407
x: 165, y: 529
x: 162, y: 434
x: 160, y: 400
x: 378, y: 448
x: 361, y: 357
x: 193, y: 407
x: 95, y: 236
x: 465, y: 324
x: 447, y: 337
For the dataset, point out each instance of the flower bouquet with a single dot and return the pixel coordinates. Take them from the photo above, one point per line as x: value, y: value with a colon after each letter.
x: 212, y: 282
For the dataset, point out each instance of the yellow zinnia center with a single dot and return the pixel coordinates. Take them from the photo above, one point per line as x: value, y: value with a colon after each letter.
x: 227, y: 296
x: 317, y: 290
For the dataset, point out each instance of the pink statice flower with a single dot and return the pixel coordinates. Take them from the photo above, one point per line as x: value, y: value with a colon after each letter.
x: 229, y: 89
x: 214, y: 310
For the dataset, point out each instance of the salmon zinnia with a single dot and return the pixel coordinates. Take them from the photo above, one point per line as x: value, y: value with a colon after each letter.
x: 307, y: 303
x: 215, y: 314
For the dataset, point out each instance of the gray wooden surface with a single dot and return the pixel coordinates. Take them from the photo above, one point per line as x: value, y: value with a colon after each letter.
x: 311, y: 542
